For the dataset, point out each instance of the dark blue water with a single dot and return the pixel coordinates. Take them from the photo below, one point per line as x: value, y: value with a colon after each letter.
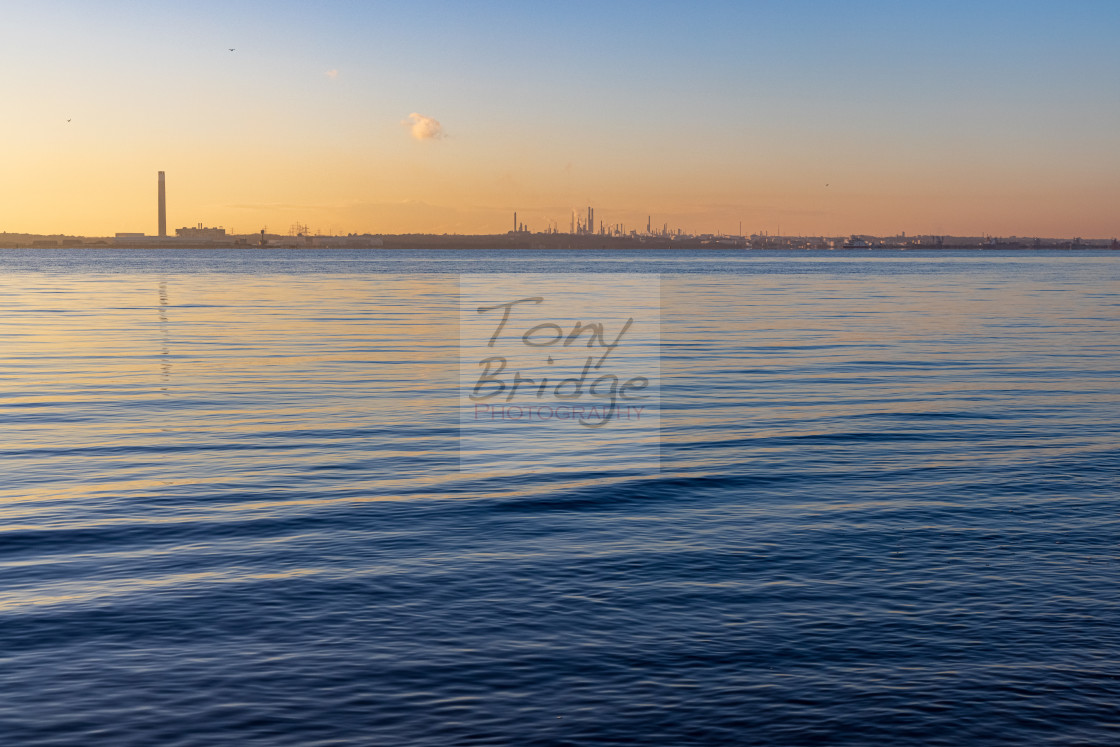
x: 233, y: 512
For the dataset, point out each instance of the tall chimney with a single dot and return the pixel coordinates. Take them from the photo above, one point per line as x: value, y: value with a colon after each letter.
x: 162, y: 208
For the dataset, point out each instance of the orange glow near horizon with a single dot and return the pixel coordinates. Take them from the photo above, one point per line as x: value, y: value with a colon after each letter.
x: 450, y: 123
x: 93, y: 199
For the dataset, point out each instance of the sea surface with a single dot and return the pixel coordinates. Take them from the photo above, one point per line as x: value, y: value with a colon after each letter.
x: 233, y: 509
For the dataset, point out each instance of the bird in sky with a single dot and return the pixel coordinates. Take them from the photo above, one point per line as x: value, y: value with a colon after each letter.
x: 232, y: 49
x: 68, y: 120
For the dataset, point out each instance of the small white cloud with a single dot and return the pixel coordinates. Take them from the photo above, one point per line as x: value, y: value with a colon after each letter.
x: 423, y: 128
x: 332, y: 74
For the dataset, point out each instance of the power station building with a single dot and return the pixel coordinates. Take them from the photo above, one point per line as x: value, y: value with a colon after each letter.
x: 201, y: 233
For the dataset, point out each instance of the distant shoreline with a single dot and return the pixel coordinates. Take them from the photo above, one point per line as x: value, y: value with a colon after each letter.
x: 556, y: 241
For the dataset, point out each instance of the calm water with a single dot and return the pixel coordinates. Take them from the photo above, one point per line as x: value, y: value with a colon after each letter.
x: 233, y: 514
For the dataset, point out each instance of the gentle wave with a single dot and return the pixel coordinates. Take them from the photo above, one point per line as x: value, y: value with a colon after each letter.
x: 232, y: 509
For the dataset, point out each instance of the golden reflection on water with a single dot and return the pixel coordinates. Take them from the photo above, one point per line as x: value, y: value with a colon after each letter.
x: 368, y: 361
x: 165, y: 364
x: 61, y: 594
x: 114, y: 390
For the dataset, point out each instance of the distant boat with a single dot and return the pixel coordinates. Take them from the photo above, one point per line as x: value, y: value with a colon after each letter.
x: 856, y: 243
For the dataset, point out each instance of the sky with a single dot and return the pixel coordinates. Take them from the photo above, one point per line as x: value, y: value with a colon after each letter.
x: 811, y: 118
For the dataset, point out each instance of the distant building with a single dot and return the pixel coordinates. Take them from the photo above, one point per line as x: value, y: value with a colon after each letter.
x: 199, y: 233
x: 128, y: 235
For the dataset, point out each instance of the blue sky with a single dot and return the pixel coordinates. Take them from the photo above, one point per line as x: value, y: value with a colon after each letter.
x: 954, y: 114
